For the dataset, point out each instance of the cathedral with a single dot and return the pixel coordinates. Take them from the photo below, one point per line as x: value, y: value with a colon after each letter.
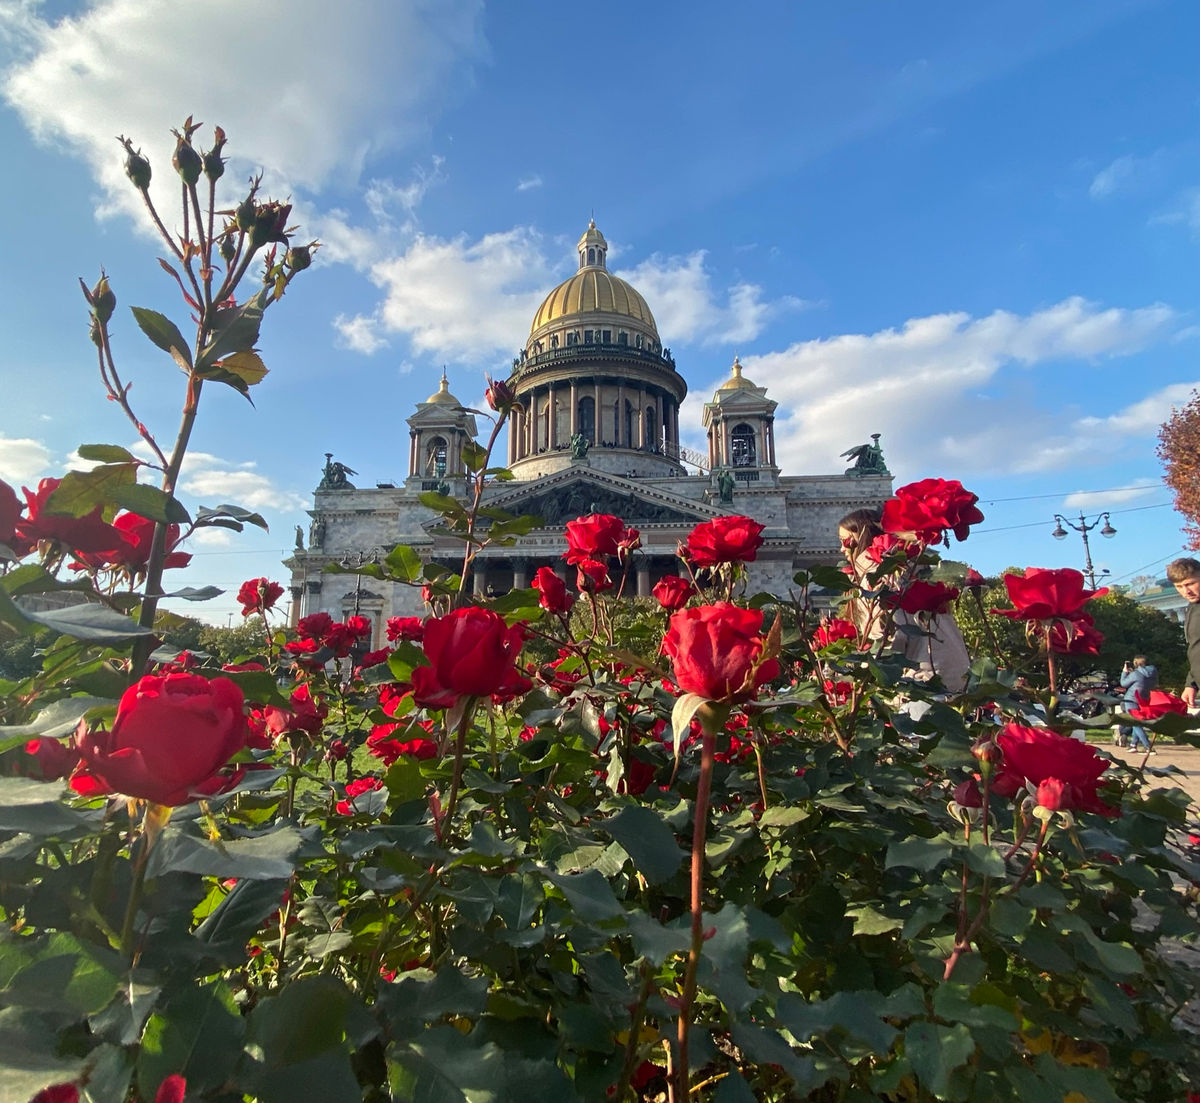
x: 597, y: 431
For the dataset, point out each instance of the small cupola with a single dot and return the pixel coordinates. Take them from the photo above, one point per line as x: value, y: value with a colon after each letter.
x: 592, y: 247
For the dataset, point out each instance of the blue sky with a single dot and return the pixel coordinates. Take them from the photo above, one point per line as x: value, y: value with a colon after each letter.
x: 970, y: 228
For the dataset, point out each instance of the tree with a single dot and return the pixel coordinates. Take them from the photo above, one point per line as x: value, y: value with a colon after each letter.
x: 1179, y: 449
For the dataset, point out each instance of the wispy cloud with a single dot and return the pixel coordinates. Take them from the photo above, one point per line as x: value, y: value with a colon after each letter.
x: 945, y: 390
x: 1098, y: 499
x: 528, y: 183
x: 359, y: 333
x: 23, y: 459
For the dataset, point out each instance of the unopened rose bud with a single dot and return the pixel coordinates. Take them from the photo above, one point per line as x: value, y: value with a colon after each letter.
x: 104, y: 302
x: 974, y: 581
x: 214, y: 163
x: 227, y: 249
x: 988, y: 754
x: 499, y: 394
x: 137, y: 168
x: 188, y: 163
x: 94, y: 333
x: 244, y: 215
x: 298, y: 258
x: 270, y: 222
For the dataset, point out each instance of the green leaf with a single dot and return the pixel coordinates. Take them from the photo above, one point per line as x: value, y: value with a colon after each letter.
x: 80, y: 492
x: 237, y: 334
x: 404, y: 563
x: 37, y: 808
x: 655, y: 942
x: 66, y: 975
x: 164, y: 333
x: 935, y: 1052
x: 192, y: 593
x: 325, y: 918
x: 151, y: 503
x: 241, y: 913
x: 105, y: 453
x: 443, y: 504
x: 223, y: 514
x: 198, y: 1033
x: 259, y: 858
x: 869, y: 921
x: 57, y: 719
x: 474, y: 456
x: 734, y: 1089
x: 423, y: 997
x: 306, y: 1019
x: 246, y: 366
x: 97, y: 623
x: 590, y: 895
x: 684, y: 709
x: 33, y: 578
x: 918, y: 853
x: 645, y: 836
x: 518, y: 900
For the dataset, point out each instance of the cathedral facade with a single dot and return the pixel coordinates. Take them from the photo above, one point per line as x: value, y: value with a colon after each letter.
x: 597, y: 431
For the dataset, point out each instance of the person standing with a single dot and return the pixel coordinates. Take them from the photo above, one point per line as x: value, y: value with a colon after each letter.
x: 1185, y: 574
x: 1138, y: 679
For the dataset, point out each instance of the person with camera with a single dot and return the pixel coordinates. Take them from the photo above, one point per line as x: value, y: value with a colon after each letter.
x: 1138, y: 678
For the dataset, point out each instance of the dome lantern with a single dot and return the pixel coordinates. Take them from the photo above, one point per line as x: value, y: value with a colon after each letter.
x: 592, y: 247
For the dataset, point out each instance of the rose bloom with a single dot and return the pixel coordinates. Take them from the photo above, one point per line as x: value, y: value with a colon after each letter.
x: 888, y: 543
x: 920, y: 596
x: 592, y: 576
x: 1043, y: 593
x: 1077, y: 636
x: 930, y: 507
x: 1035, y: 755
x: 552, y: 591
x: 52, y: 758
x: 974, y: 581
x: 716, y: 651
x: 305, y: 715
x: 833, y: 630
x: 1158, y: 704
x: 354, y: 789
x: 723, y: 540
x: 598, y: 534
x: 133, y: 555
x: 171, y: 735
x: 257, y: 595
x: 81, y: 534
x: 314, y: 626
x: 673, y: 592
x: 472, y: 651
x: 405, y: 628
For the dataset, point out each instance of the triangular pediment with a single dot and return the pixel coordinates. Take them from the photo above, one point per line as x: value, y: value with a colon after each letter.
x: 575, y: 492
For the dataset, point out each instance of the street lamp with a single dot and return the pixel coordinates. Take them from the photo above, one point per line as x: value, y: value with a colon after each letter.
x: 354, y: 562
x: 1083, y: 528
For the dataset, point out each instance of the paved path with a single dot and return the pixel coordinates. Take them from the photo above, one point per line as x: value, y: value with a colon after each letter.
x: 1171, y: 766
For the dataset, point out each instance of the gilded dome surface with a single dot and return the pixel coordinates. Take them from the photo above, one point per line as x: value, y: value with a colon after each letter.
x: 442, y: 396
x: 737, y: 381
x: 593, y: 290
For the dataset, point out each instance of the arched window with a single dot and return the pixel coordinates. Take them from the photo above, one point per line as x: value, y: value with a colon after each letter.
x: 651, y: 429
x: 591, y: 256
x: 630, y: 439
x: 587, y: 419
x: 435, y: 457
x: 742, y: 438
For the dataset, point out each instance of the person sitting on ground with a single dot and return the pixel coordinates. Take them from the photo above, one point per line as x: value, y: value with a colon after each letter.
x: 1138, y: 679
x: 937, y: 650
x: 1185, y: 574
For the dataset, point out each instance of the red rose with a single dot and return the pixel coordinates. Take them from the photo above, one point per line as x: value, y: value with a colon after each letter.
x: 133, y: 555
x: 472, y: 651
x: 356, y: 788
x: 81, y: 534
x: 305, y: 715
x: 723, y: 540
x: 967, y: 794
x: 258, y: 595
x: 500, y: 394
x: 1158, y: 704
x: 929, y: 507
x: 920, y: 596
x: 10, y: 513
x: 171, y: 735
x: 838, y: 692
x: 974, y: 581
x: 673, y: 592
x: 314, y: 626
x: 1043, y: 594
x: 1035, y: 755
x: 340, y: 638
x: 57, y: 1093
x: 404, y: 628
x: 887, y: 543
x: 592, y: 576
x: 598, y: 534
x: 716, y: 651
x: 627, y: 543
x: 52, y: 758
x: 552, y: 591
x: 1077, y: 636
x: 833, y: 630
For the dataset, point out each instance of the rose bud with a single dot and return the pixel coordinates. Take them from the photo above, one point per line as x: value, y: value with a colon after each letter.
x: 228, y: 249
x: 499, y: 394
x: 245, y: 213
x: 186, y: 160
x: 137, y: 168
x: 214, y: 163
x: 298, y: 258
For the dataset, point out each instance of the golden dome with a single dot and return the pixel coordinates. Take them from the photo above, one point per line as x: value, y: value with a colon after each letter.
x: 593, y: 290
x: 443, y: 397
x: 737, y: 381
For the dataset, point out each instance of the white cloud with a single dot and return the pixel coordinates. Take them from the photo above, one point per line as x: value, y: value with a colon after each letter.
x: 1145, y: 415
x: 528, y: 183
x: 212, y: 486
x: 1113, y: 177
x: 83, y: 79
x: 23, y: 459
x: 1094, y: 499
x: 210, y: 538
x: 687, y: 308
x: 948, y: 394
x: 359, y: 333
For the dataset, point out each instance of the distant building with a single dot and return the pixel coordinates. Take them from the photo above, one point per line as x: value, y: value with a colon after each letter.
x: 1158, y: 593
x: 598, y: 431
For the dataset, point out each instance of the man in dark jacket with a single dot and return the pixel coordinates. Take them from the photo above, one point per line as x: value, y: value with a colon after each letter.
x: 1185, y: 574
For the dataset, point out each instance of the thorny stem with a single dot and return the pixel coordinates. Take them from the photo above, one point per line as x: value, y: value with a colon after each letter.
x: 112, y: 384
x: 460, y: 740
x: 477, y: 497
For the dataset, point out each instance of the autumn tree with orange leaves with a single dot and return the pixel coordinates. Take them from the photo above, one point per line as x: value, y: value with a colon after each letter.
x: 1179, y: 449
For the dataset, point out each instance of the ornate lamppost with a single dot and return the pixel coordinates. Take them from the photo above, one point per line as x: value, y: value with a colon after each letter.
x: 1083, y: 528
